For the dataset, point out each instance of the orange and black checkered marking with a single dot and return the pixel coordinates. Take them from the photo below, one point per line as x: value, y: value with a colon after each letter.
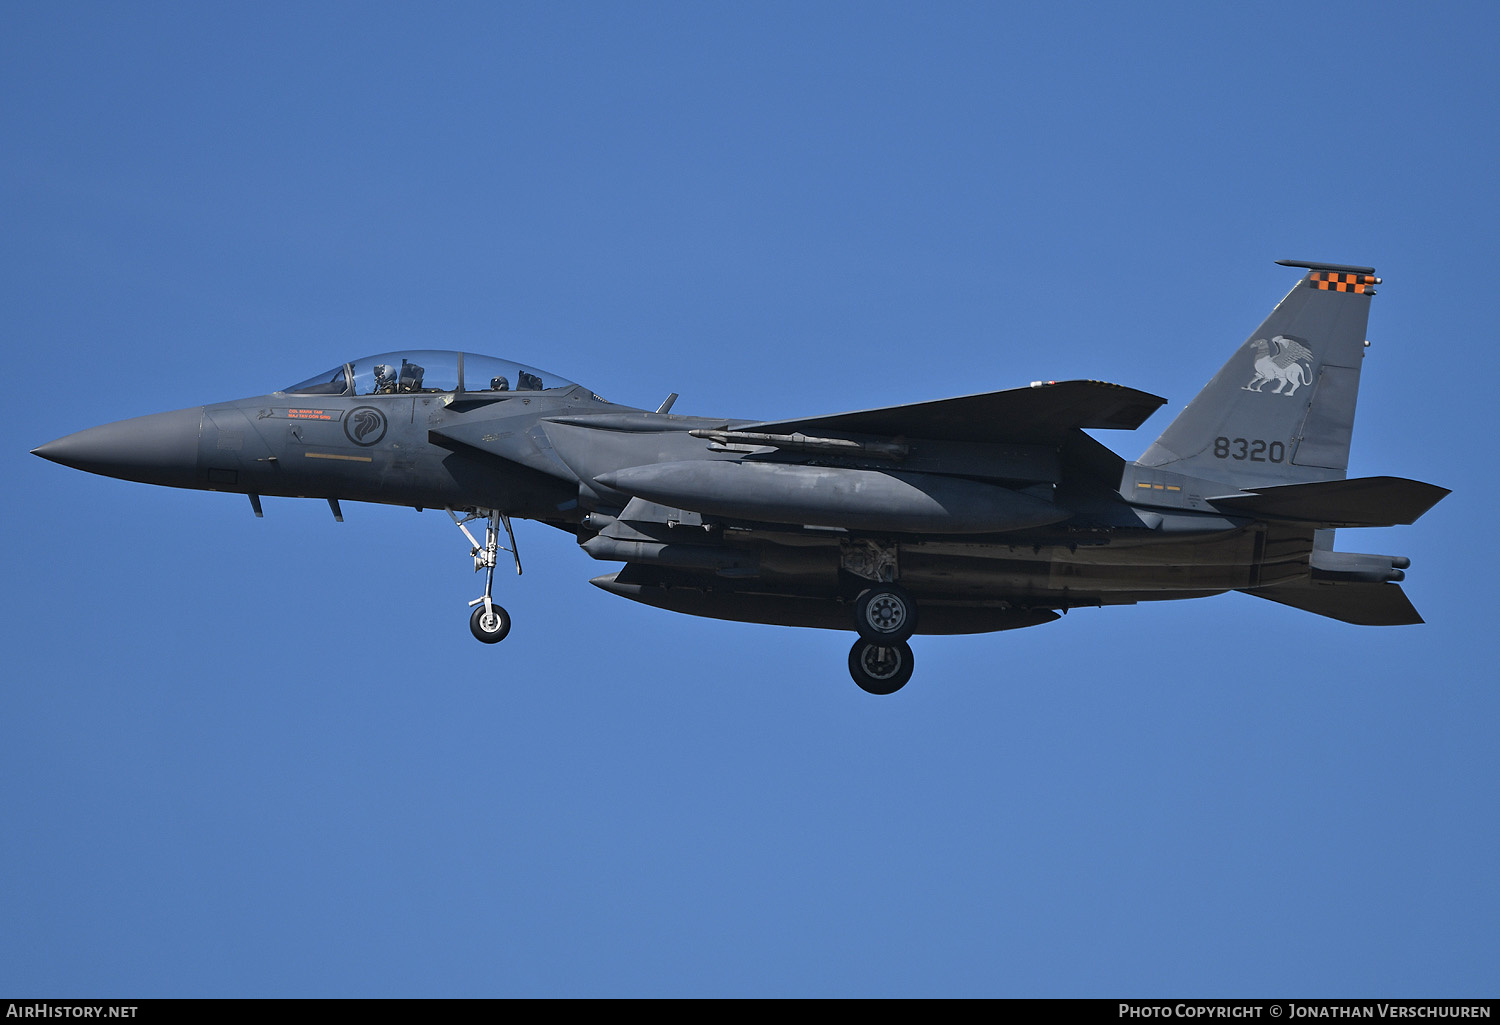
x: 1335, y: 281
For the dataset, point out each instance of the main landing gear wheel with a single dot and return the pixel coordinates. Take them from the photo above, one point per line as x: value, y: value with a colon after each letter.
x: 881, y: 668
x: 491, y: 624
x: 885, y: 614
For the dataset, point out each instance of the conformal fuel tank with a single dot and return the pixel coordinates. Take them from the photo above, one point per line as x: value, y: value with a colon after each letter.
x: 828, y: 496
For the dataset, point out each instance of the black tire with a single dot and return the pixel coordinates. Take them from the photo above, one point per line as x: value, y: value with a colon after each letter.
x: 881, y: 668
x: 491, y: 629
x: 885, y: 614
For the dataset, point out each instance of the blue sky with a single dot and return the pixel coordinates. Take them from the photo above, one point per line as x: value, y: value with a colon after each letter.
x: 264, y: 757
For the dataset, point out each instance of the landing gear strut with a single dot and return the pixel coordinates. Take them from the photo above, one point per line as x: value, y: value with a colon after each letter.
x: 881, y: 667
x: 489, y: 622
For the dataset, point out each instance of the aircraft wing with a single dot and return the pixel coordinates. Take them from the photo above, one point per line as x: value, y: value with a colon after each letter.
x: 1040, y: 413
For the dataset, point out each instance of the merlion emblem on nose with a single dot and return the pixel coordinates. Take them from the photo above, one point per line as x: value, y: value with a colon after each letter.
x: 365, y: 425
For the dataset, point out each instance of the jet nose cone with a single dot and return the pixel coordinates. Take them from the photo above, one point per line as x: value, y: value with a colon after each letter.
x: 158, y: 449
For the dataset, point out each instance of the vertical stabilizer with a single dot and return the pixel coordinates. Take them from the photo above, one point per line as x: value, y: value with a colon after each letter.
x: 1281, y: 411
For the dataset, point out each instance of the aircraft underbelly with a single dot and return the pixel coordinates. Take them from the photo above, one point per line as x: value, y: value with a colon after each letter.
x: 773, y: 583
x: 1059, y: 575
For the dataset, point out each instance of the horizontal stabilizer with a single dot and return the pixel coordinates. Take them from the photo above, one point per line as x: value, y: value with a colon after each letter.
x: 1356, y: 502
x: 1361, y: 604
x: 1040, y: 413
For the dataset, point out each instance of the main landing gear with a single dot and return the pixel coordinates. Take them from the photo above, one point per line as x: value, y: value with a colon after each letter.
x: 885, y: 613
x: 881, y: 661
x: 881, y: 667
x: 489, y: 622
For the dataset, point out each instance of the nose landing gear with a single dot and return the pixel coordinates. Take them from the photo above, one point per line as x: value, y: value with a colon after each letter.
x: 489, y: 622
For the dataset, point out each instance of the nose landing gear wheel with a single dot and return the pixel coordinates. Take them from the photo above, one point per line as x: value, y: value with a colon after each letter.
x: 489, y: 625
x: 886, y: 614
x: 881, y: 668
x: 488, y: 622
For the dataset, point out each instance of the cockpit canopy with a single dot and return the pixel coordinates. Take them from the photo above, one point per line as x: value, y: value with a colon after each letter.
x: 428, y: 371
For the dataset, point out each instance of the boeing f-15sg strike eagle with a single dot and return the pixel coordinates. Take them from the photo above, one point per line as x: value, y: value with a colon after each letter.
x: 985, y: 512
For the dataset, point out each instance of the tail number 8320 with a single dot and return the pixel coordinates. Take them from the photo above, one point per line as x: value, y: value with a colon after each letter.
x: 1254, y: 449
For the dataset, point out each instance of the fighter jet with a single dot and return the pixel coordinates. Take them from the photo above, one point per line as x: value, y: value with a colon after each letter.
x: 980, y: 513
